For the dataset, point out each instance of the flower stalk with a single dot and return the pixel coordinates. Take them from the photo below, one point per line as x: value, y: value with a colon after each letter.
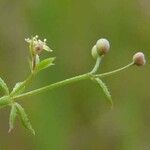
x: 62, y: 83
x: 114, y: 71
x: 36, y: 47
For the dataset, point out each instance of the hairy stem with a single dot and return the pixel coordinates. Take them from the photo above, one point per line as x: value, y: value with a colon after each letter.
x: 114, y: 72
x: 55, y: 85
x: 71, y: 80
x: 25, y: 84
x: 96, y: 67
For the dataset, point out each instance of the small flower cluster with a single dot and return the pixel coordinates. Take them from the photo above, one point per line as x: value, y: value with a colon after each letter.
x: 36, y: 48
x: 38, y: 45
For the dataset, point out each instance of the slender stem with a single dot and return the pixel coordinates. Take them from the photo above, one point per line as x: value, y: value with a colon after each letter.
x: 25, y: 84
x: 71, y: 80
x: 115, y: 71
x: 96, y: 67
x: 29, y: 79
x: 55, y: 85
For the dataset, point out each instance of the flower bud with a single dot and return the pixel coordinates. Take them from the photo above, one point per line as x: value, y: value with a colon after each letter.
x: 94, y: 52
x: 139, y: 59
x: 103, y: 46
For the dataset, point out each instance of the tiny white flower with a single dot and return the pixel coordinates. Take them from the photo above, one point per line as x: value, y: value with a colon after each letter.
x: 38, y: 44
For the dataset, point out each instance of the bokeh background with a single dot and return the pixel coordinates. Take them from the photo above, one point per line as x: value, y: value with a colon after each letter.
x: 77, y: 117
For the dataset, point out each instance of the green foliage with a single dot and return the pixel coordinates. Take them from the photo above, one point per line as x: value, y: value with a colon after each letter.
x: 37, y: 46
x: 4, y: 101
x: 12, y: 117
x: 45, y: 64
x: 24, y: 118
x: 18, y: 88
x: 3, y: 87
x: 105, y: 90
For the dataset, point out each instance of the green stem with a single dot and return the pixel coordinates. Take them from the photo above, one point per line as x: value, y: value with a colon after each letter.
x: 55, y: 85
x: 96, y: 67
x: 25, y: 84
x: 115, y: 71
x: 70, y: 80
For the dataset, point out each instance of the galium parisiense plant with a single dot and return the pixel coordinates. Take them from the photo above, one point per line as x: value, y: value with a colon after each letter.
x: 36, y: 47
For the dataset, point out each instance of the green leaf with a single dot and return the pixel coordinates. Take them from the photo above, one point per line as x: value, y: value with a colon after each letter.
x: 18, y: 88
x: 105, y: 90
x: 12, y: 117
x: 45, y: 64
x: 4, y: 87
x: 24, y: 118
x: 5, y: 100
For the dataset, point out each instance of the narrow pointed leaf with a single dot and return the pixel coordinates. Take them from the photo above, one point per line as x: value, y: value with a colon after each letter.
x: 18, y: 88
x: 45, y: 64
x: 24, y: 118
x: 4, y: 101
x: 3, y: 86
x: 105, y: 90
x: 12, y: 117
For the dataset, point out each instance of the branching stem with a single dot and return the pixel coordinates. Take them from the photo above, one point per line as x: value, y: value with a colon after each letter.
x: 70, y: 80
x: 55, y: 85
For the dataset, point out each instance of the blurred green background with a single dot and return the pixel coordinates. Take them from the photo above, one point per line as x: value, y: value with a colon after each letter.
x: 77, y: 117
